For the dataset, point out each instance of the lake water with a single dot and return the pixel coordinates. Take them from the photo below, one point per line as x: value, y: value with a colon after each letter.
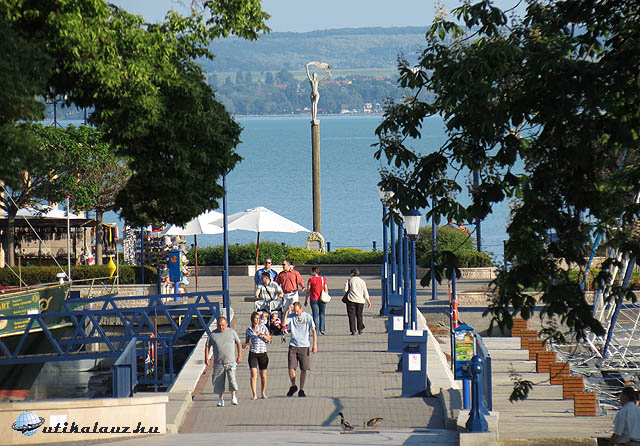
x: 276, y: 173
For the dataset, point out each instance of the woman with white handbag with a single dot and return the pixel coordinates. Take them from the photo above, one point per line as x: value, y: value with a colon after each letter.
x: 318, y: 296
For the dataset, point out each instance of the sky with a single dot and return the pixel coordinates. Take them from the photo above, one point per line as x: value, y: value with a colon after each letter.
x: 306, y: 16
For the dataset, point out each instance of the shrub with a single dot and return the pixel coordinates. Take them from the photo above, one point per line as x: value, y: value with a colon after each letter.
x: 239, y: 254
x: 300, y: 256
x: 33, y: 275
x: 466, y: 259
x: 448, y: 238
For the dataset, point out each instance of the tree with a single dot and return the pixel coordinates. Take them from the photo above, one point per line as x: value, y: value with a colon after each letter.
x: 34, y: 180
x: 88, y: 170
x: 150, y: 97
x: 556, y: 91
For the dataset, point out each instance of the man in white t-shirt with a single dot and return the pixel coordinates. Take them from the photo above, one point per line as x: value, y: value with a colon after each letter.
x: 301, y: 326
x: 626, y: 425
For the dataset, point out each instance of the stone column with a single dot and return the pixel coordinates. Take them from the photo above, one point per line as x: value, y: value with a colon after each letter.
x: 315, y: 172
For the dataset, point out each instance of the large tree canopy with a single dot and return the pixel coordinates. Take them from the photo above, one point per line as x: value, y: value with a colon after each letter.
x: 149, y: 95
x: 546, y: 110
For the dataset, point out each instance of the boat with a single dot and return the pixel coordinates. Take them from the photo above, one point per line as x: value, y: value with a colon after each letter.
x: 17, y: 379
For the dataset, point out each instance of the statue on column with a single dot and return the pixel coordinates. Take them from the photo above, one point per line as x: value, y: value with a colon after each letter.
x: 313, y: 80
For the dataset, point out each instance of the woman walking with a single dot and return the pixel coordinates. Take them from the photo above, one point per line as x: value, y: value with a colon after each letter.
x: 257, y: 338
x: 356, y: 292
x: 315, y: 286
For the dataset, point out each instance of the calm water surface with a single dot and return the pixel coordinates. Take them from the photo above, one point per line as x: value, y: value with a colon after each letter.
x: 276, y: 173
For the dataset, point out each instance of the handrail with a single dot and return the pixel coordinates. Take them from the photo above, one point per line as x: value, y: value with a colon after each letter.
x: 483, y: 352
x: 69, y: 333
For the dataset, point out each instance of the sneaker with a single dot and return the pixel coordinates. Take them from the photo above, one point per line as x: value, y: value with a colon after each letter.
x: 322, y: 332
x: 301, y: 394
x: 220, y: 402
x: 293, y: 389
x: 234, y: 400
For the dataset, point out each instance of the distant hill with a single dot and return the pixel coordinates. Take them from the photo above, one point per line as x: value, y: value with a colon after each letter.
x: 341, y: 48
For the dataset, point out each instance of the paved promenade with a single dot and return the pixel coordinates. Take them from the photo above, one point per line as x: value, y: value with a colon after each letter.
x: 350, y: 374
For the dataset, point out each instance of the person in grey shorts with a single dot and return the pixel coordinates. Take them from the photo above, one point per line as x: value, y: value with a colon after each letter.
x: 225, y: 344
x: 300, y: 326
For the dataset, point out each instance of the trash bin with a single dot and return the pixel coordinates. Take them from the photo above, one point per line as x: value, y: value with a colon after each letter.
x: 414, y: 363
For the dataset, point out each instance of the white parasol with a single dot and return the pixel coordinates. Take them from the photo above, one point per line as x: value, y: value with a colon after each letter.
x: 259, y: 220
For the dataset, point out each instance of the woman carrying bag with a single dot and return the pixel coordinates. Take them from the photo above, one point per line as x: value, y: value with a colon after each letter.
x: 355, y: 296
x: 316, y: 287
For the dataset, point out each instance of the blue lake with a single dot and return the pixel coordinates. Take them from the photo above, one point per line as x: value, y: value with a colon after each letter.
x: 276, y: 173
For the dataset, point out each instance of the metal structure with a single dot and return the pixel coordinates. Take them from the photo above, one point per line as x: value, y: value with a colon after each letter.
x: 78, y: 331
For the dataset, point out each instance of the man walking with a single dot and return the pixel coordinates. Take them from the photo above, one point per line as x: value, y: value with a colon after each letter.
x: 301, y: 325
x: 226, y: 344
x: 626, y: 424
x: 289, y: 279
x: 257, y: 278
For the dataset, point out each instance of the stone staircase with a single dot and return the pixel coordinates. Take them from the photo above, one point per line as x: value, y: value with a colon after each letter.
x: 544, y: 417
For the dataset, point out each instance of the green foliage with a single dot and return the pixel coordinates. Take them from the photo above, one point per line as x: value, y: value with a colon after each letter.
x: 465, y: 259
x: 448, y: 238
x: 543, y: 109
x: 239, y: 254
x: 33, y: 275
x: 245, y: 255
x: 145, y: 86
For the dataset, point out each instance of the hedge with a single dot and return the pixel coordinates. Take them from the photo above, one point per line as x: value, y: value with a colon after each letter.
x: 466, y: 259
x: 33, y: 275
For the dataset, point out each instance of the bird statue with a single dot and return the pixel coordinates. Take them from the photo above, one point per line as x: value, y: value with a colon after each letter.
x: 346, y: 426
x: 373, y: 422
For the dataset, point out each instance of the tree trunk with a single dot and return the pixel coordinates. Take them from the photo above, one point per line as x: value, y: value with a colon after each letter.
x: 99, y: 215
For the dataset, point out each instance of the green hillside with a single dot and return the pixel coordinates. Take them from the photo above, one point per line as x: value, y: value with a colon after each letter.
x: 344, y: 49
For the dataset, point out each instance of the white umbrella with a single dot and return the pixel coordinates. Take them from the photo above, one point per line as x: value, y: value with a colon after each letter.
x: 198, y: 226
x: 259, y: 220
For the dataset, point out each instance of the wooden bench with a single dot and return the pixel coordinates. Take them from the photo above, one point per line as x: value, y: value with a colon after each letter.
x: 543, y: 359
x: 557, y: 371
x: 526, y: 336
x: 534, y: 346
x: 519, y: 324
x: 572, y: 385
x: 584, y: 404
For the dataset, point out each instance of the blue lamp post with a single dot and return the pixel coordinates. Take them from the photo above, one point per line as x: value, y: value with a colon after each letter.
x: 434, y: 289
x: 406, y: 284
x: 385, y: 196
x: 412, y: 225
x: 225, y: 239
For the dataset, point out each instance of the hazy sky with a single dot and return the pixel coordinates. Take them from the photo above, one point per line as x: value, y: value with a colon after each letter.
x: 305, y: 15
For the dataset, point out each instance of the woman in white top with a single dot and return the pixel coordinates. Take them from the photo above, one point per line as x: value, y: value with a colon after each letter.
x: 357, y: 294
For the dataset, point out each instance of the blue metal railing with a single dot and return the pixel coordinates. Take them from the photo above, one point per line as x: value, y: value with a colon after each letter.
x: 125, y: 372
x: 69, y: 334
x: 481, y: 350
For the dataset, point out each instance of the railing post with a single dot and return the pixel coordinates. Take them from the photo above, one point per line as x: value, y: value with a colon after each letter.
x: 477, y: 422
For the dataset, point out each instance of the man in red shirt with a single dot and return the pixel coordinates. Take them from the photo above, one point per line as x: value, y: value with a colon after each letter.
x: 289, y: 280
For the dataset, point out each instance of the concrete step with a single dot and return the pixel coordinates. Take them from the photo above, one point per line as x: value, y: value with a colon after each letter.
x: 518, y: 366
x: 506, y: 354
x: 501, y: 343
x: 500, y: 378
x: 533, y: 407
x: 539, y: 391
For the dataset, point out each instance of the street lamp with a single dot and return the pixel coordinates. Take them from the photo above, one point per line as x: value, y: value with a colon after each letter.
x: 412, y: 226
x: 385, y: 197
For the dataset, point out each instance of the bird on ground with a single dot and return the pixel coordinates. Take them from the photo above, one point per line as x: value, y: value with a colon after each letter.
x: 345, y: 424
x: 373, y: 422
